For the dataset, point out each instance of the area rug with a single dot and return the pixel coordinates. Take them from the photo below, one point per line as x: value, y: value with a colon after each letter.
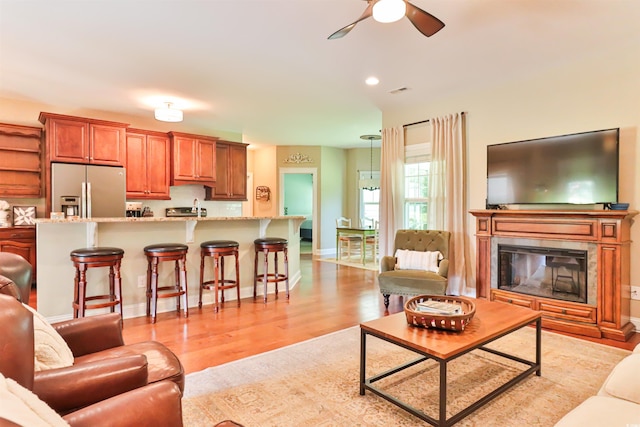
x: 353, y: 262
x: 315, y: 383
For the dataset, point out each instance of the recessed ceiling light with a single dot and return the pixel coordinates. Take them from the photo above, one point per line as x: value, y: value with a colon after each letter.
x: 372, y: 81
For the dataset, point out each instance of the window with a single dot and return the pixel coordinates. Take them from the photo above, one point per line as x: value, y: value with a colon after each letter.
x: 369, y: 199
x: 416, y: 188
x: 417, y: 160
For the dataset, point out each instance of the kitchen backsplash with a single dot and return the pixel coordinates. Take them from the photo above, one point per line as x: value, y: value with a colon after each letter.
x: 184, y: 195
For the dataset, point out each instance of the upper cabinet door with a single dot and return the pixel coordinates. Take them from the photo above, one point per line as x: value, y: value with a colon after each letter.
x: 206, y: 161
x: 193, y: 159
x: 107, y: 145
x: 136, y: 165
x: 88, y: 141
x: 158, y: 171
x: 68, y: 141
x: 184, y: 159
x: 148, y: 162
x: 231, y: 172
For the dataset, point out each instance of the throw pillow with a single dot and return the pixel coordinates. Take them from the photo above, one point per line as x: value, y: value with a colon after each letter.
x: 416, y: 260
x: 22, y: 407
x: 624, y: 379
x: 51, y: 351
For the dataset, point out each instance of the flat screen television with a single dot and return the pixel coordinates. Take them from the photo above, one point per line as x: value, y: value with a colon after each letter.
x: 580, y: 168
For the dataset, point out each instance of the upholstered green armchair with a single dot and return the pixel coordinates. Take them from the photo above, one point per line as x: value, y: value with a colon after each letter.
x: 420, y: 264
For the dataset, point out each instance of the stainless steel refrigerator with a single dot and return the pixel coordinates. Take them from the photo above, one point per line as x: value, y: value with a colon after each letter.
x: 101, y: 189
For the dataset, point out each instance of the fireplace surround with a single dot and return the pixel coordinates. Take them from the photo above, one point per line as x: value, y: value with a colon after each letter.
x: 590, y: 271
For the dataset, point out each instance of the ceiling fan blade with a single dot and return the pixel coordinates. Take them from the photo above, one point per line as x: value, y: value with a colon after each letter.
x: 426, y: 23
x: 343, y: 31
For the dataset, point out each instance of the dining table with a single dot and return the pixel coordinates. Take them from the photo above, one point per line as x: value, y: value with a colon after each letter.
x: 363, y: 232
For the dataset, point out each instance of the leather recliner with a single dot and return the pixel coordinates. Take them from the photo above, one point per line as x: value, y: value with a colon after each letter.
x: 17, y: 269
x: 110, y: 392
x: 94, y: 339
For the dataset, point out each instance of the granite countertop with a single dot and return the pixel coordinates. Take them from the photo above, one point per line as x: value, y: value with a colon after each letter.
x: 164, y: 219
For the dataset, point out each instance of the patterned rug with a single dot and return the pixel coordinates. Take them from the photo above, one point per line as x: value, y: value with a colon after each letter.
x: 353, y: 262
x: 315, y: 383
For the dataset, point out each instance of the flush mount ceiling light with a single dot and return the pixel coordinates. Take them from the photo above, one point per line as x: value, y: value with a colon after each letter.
x: 168, y: 114
x: 386, y: 11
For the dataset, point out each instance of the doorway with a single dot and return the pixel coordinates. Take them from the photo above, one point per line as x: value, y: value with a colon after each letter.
x: 299, y: 197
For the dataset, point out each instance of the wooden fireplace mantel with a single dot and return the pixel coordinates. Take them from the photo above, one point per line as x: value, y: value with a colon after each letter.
x: 608, y: 230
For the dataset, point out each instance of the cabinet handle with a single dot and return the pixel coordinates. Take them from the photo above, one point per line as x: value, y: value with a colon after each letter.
x: 564, y: 311
x: 510, y: 301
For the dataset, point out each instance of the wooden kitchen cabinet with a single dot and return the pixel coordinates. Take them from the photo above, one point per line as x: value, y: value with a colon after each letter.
x: 80, y: 140
x: 193, y: 159
x: 148, y: 165
x: 231, y: 169
x: 20, y: 241
x: 20, y: 161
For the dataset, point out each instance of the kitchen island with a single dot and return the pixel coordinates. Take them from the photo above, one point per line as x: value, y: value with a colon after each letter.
x: 56, y: 238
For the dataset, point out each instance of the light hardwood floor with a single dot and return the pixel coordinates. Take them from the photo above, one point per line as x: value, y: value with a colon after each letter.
x: 329, y: 298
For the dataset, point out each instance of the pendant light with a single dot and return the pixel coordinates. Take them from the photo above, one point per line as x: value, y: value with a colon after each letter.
x: 370, y: 184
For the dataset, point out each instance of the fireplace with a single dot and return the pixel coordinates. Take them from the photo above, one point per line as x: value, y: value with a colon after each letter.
x: 544, y: 272
x: 572, y: 266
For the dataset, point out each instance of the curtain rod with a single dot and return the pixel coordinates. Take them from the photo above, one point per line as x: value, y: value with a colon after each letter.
x: 421, y: 122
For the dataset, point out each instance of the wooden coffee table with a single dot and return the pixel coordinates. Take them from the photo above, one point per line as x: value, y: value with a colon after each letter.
x: 491, y: 321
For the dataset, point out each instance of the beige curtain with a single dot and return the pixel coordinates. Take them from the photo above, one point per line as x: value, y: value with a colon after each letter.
x: 448, y: 196
x: 391, y: 187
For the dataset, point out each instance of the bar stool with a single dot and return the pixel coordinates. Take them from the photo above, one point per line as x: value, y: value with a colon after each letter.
x: 269, y: 245
x: 218, y: 249
x: 91, y: 258
x: 166, y: 252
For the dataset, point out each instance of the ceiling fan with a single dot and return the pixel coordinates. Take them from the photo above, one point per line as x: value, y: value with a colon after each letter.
x: 391, y: 11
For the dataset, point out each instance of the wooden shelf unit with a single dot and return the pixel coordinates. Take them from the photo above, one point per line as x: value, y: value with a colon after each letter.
x: 609, y: 316
x: 20, y: 161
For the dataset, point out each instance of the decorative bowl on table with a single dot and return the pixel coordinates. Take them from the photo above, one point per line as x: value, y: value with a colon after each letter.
x: 439, y: 319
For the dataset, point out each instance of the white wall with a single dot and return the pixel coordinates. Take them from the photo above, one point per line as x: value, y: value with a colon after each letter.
x: 597, y: 93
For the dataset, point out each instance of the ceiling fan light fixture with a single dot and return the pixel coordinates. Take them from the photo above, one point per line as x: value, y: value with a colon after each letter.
x: 387, y: 11
x: 168, y: 114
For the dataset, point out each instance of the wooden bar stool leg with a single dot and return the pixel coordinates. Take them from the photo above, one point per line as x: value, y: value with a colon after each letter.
x: 255, y: 273
x: 265, y: 277
x: 202, y: 257
x: 183, y: 286
x: 149, y: 272
x: 111, y: 288
x: 82, y: 289
x: 275, y: 266
x: 222, y: 278
x: 177, y: 282
x: 118, y: 287
x: 76, y: 299
x: 216, y: 284
x: 154, y: 289
x: 286, y: 270
x: 235, y: 253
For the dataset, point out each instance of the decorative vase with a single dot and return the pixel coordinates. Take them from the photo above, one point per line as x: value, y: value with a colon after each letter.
x: 4, y: 219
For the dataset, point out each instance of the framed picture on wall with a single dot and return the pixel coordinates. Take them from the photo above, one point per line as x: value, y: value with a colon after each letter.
x: 24, y: 215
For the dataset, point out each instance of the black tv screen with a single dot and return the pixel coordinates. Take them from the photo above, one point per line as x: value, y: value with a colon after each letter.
x: 580, y: 168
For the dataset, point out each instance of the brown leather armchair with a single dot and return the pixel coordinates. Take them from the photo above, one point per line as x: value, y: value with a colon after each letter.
x: 17, y: 269
x: 111, y: 392
x: 103, y: 365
